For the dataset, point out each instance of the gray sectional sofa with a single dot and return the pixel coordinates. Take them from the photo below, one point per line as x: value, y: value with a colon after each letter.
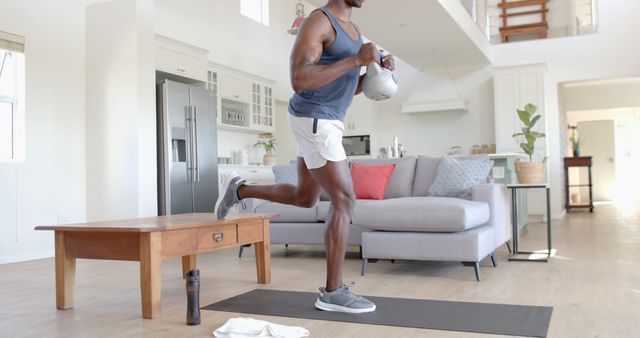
x: 406, y: 224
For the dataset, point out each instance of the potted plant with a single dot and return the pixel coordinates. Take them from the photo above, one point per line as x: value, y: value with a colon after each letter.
x: 529, y: 172
x: 575, y: 141
x: 268, y: 142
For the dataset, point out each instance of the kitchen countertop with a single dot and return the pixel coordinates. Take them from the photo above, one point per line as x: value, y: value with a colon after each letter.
x: 244, y: 166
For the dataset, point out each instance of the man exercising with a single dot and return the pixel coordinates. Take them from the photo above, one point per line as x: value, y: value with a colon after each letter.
x: 325, y: 74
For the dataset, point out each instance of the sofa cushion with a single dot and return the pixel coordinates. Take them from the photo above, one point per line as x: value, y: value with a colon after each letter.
x: 426, y: 170
x: 370, y: 181
x: 456, y: 177
x: 289, y: 213
x: 323, y: 208
x: 401, y: 181
x: 285, y: 173
x: 421, y: 214
x: 288, y: 174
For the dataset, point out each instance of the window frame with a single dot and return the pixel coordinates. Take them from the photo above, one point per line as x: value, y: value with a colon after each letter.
x: 17, y: 101
x: 12, y: 102
x: 264, y: 12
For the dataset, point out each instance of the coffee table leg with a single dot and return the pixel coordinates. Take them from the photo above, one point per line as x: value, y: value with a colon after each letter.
x: 150, y: 274
x: 65, y: 274
x: 188, y: 264
x: 263, y: 255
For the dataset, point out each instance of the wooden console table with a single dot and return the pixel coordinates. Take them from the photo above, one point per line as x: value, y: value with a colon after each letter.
x: 149, y: 240
x: 569, y: 162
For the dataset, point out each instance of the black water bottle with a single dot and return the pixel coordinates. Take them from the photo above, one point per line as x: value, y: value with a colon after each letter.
x: 193, y: 297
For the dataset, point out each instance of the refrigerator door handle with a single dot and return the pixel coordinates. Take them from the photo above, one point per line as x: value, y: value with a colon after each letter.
x: 189, y: 144
x: 196, y: 167
x: 192, y: 145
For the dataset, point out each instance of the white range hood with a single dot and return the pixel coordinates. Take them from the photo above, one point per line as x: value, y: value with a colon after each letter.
x: 434, y: 92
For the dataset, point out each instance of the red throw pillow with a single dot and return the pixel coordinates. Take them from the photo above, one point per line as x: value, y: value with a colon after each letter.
x: 370, y: 182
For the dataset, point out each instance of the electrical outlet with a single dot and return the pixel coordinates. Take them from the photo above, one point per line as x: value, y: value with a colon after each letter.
x: 63, y: 218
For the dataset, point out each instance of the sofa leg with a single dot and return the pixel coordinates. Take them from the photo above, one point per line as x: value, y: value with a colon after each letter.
x: 393, y: 261
x: 476, y: 268
x: 286, y: 249
x: 360, y: 252
x: 508, y: 247
x: 493, y: 259
x: 364, y: 267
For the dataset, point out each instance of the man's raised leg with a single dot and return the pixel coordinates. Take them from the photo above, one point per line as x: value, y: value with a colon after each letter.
x: 305, y: 194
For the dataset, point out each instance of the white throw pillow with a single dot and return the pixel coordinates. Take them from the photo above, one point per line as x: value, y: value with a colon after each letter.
x: 456, y: 177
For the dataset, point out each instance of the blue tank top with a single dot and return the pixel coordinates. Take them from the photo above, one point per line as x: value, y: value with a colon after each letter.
x: 331, y: 101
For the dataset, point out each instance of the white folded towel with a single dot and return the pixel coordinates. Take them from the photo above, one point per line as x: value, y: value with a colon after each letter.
x: 249, y: 328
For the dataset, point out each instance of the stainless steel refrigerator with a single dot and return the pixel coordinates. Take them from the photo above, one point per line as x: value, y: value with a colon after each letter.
x: 187, y: 149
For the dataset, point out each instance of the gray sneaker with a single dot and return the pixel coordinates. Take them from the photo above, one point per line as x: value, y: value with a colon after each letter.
x: 343, y: 300
x: 228, y: 197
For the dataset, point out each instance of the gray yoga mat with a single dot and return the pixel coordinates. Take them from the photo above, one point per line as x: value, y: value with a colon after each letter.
x: 513, y: 320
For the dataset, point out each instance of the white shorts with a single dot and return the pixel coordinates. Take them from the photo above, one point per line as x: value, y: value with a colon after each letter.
x: 318, y: 140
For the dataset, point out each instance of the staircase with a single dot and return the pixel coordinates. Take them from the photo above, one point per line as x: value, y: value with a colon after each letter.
x: 539, y: 28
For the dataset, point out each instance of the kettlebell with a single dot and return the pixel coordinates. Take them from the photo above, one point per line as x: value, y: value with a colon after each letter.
x: 379, y: 83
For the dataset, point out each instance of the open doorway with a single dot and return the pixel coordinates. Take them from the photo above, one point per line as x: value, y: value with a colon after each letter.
x: 604, y: 116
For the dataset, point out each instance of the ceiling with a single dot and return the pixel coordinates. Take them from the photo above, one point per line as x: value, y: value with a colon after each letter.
x: 421, y: 32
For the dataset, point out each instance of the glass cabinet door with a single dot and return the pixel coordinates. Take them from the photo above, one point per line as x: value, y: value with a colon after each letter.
x: 268, y: 107
x: 256, y: 106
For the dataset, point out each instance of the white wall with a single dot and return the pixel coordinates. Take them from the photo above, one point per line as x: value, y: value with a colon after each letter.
x: 614, y: 94
x: 436, y: 132
x: 286, y: 149
x: 620, y: 114
x: 229, y: 141
x: 52, y: 179
x: 120, y: 116
x: 606, y: 54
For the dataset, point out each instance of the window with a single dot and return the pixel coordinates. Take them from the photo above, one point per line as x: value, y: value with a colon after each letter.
x: 11, y: 98
x: 257, y: 10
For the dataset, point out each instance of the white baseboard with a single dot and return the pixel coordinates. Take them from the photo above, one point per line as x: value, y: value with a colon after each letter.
x: 543, y: 218
x: 561, y: 215
x: 28, y: 256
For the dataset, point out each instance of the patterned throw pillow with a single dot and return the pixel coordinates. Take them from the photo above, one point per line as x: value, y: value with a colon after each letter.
x: 285, y: 173
x: 456, y: 177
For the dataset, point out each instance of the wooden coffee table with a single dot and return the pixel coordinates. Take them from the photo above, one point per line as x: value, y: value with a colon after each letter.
x: 149, y: 240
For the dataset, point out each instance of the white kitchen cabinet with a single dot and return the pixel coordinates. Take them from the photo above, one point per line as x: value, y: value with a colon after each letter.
x: 262, y: 108
x: 179, y: 58
x: 234, y: 87
x: 514, y: 87
x: 256, y: 104
x: 252, y: 174
x: 245, y: 101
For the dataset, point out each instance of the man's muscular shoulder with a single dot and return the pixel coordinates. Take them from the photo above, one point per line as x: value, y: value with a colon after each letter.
x: 318, y: 24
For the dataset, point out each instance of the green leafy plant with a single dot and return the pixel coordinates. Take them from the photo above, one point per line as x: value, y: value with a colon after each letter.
x: 528, y: 137
x: 269, y: 145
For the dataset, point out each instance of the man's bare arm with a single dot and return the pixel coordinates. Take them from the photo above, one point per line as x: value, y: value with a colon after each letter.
x: 306, y: 73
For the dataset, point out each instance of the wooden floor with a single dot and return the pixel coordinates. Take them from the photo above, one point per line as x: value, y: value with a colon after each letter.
x: 593, y: 283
